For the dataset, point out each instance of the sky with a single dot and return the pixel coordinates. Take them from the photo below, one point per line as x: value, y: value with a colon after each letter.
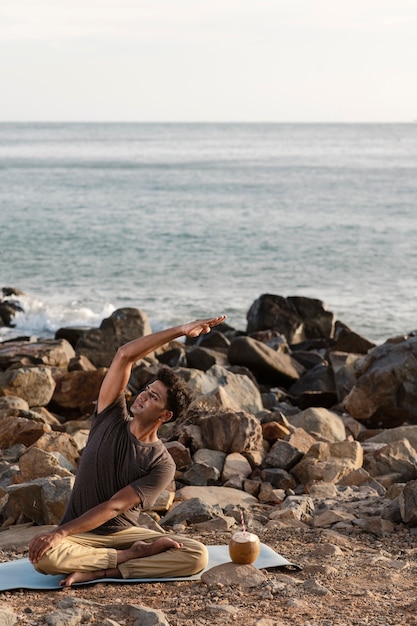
x: 208, y: 60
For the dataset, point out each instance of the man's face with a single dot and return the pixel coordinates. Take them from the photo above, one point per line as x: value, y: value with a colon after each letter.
x: 151, y: 402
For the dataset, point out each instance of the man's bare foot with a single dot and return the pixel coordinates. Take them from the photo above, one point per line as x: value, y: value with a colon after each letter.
x: 85, y: 577
x: 140, y: 549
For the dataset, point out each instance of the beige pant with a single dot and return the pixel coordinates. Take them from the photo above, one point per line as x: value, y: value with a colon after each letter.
x: 88, y: 552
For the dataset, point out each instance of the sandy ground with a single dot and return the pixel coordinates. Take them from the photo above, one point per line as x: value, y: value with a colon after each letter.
x: 347, y: 578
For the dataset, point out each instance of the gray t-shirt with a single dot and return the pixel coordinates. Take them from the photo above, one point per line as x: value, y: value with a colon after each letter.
x: 112, y: 459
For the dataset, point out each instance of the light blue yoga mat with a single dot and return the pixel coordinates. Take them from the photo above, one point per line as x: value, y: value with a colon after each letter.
x: 20, y: 574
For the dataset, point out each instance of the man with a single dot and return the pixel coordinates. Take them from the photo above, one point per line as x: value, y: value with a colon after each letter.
x: 123, y: 469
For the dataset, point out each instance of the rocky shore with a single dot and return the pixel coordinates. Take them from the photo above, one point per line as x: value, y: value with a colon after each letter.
x: 306, y: 427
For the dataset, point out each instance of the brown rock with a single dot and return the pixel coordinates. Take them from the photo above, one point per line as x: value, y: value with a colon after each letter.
x: 78, y: 389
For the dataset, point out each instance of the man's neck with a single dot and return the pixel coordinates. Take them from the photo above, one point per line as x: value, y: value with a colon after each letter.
x: 143, y: 433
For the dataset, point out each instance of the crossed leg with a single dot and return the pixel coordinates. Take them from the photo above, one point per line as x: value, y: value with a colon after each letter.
x: 130, y: 553
x: 138, y: 550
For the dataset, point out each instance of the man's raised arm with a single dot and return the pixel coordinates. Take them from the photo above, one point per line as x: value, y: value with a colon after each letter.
x: 119, y: 371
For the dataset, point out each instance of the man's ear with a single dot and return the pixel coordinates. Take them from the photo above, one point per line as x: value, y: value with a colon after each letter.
x: 166, y: 415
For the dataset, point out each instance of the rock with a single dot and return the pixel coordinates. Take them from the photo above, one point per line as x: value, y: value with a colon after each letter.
x: 221, y: 496
x: 282, y: 455
x: 294, y: 507
x: 191, y: 511
x: 99, y: 345
x: 271, y: 431
x: 397, y: 459
x: 19, y: 430
x: 345, y: 340
x: 179, y: 453
x: 235, y: 465
x: 278, y: 478
x: 408, y: 504
x: 385, y: 393
x: 301, y: 440
x: 200, y: 474
x: 20, y: 535
x: 60, y: 442
x: 328, y: 462
x: 78, y: 389
x: 314, y: 587
x: 42, y: 500
x: 321, y: 422
x: 244, y: 576
x: 230, y: 431
x: 375, y: 526
x: 296, y: 317
x: 204, y: 358
x: 237, y: 389
x: 267, y: 365
x: 7, y: 617
x: 37, y: 463
x: 12, y: 403
x: 268, y: 494
x: 48, y: 352
x: 318, y: 381
x: 216, y: 340
x: 395, y: 434
x: 360, y: 477
x: 212, y: 458
x: 343, y: 365
x: 33, y: 384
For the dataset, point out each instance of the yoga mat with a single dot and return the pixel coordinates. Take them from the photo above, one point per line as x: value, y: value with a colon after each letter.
x: 20, y: 574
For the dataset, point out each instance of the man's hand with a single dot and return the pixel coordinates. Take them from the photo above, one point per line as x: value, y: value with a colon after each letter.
x: 41, y: 543
x: 202, y: 327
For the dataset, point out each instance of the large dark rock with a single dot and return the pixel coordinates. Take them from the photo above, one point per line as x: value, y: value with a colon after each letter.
x: 296, y: 317
x: 269, y: 366
x: 385, y: 393
x: 99, y: 345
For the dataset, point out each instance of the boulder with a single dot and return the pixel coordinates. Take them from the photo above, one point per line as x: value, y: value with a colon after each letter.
x: 37, y: 463
x: 226, y: 388
x: 390, y: 435
x: 328, y: 462
x: 346, y: 340
x: 344, y: 371
x: 20, y: 430
x: 385, y: 393
x: 33, y: 384
x: 221, y: 496
x: 278, y: 478
x: 296, y: 317
x: 204, y: 358
x: 408, y: 504
x: 60, y: 442
x: 230, y: 431
x: 180, y: 454
x: 99, y: 345
x: 55, y: 353
x: 78, y: 389
x: 300, y: 508
x: 282, y: 455
x: 235, y: 465
x: 316, y: 387
x: 42, y: 500
x: 200, y: 474
x: 212, y: 458
x: 320, y: 422
x: 397, y: 460
x: 267, y: 365
x: 191, y: 511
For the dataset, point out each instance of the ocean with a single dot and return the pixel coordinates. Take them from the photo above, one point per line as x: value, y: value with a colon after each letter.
x: 193, y: 220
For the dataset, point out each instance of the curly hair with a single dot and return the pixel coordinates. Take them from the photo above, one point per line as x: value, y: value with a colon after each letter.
x: 179, y: 394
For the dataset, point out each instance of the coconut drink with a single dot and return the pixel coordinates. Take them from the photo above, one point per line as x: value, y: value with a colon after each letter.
x: 244, y: 547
